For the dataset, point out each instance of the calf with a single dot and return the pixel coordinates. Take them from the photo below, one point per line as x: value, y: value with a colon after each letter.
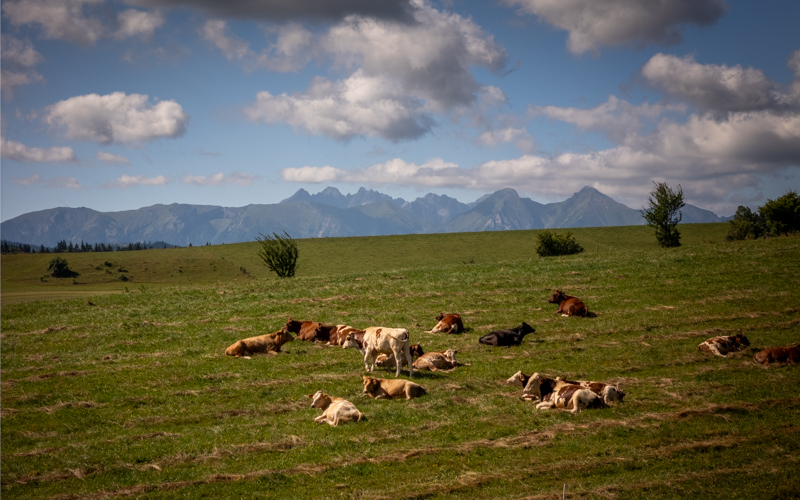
x: 561, y: 394
x: 270, y: 343
x: 434, y: 361
x: 448, y: 323
x: 388, y: 360
x: 334, y: 410
x: 778, y: 355
x: 381, y: 388
x: 508, y: 337
x: 378, y: 339
x: 519, y: 379
x: 723, y: 345
x: 568, y: 305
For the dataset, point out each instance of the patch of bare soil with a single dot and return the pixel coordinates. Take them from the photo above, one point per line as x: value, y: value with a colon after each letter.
x: 72, y: 404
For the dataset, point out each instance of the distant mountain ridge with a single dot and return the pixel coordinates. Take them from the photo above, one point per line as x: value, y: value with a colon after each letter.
x: 328, y: 213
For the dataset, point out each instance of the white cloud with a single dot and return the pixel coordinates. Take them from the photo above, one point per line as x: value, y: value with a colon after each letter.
x: 19, y: 57
x: 615, y: 118
x: 27, y: 181
x: 11, y: 79
x: 220, y: 179
x: 291, y: 51
x: 128, y: 181
x: 593, y: 23
x: 711, y: 86
x: 112, y: 159
x: 117, y: 118
x: 64, y: 183
x: 14, y: 150
x: 59, y: 19
x: 433, y: 173
x: 134, y: 22
x: 519, y: 136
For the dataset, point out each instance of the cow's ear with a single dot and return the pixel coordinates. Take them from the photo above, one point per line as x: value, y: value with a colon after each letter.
x: 311, y: 396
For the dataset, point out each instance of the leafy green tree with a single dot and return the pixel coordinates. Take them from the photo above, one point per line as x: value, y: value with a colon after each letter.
x: 782, y: 215
x: 279, y: 253
x: 664, y: 213
x: 60, y: 269
x: 551, y: 244
x: 746, y: 224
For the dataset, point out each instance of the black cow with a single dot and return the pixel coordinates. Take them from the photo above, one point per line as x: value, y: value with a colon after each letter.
x: 508, y: 337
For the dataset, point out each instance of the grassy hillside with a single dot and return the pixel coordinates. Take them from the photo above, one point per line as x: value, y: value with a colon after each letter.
x: 24, y: 276
x: 131, y: 395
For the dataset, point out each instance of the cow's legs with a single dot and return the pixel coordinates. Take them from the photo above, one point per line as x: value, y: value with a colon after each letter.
x: 407, y: 352
x: 368, y: 356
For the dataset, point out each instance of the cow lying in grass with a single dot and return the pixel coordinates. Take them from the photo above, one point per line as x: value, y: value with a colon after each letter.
x: 789, y: 355
x: 448, y: 323
x: 445, y: 360
x: 338, y: 336
x: 310, y: 331
x: 381, y: 388
x: 335, y: 411
x: 270, y: 343
x: 568, y: 305
x: 388, y: 361
x: 519, y: 379
x: 512, y: 336
x: 554, y: 393
x: 608, y: 392
x: 721, y: 346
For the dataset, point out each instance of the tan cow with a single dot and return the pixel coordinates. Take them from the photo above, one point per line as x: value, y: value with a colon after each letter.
x: 448, y: 323
x: 270, y: 343
x: 381, y: 388
x: 335, y: 411
x: 721, y: 346
x: 434, y: 361
x: 388, y: 361
x: 379, y: 339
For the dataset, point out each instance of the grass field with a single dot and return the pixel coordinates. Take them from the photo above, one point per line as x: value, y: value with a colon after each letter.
x: 130, y: 394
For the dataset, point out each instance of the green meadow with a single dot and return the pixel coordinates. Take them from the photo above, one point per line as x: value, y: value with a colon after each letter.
x: 115, y: 388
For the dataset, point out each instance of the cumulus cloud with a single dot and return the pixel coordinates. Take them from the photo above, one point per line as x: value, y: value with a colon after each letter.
x: 27, y: 181
x: 518, y: 136
x: 615, y: 118
x: 19, y: 57
x: 291, y: 50
x: 404, y: 73
x: 112, y: 159
x: 117, y: 118
x: 283, y: 10
x: 718, y: 87
x: 134, y: 22
x: 64, y: 183
x: 14, y: 150
x: 129, y: 181
x: 621, y: 22
x: 433, y: 173
x: 59, y: 19
x: 220, y: 179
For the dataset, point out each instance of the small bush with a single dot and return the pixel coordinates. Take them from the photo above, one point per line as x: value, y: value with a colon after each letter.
x: 745, y: 225
x: 279, y: 253
x: 782, y: 215
x: 60, y: 269
x: 552, y: 244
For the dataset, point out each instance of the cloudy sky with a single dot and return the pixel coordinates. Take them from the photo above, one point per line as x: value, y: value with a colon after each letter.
x: 119, y: 104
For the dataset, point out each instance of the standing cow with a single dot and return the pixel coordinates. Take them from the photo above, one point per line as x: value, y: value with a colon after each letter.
x: 379, y: 339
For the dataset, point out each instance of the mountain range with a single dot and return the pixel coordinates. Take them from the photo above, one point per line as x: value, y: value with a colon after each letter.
x: 328, y: 213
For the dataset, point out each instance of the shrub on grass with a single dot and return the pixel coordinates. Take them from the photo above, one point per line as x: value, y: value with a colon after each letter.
x: 60, y: 269
x: 551, y: 244
x: 279, y: 253
x: 745, y: 225
x: 664, y: 213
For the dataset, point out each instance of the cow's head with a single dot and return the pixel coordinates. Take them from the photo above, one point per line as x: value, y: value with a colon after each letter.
x: 292, y: 325
x: 350, y: 342
x: 236, y: 349
x: 371, y: 385
x: 320, y: 400
x: 557, y: 298
x: 525, y: 329
x: 741, y: 339
x: 416, y: 350
x: 450, y: 355
x: 516, y: 379
x: 612, y: 393
x: 440, y: 317
x: 283, y: 336
x: 533, y: 389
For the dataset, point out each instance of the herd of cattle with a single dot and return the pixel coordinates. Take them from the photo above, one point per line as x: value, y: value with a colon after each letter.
x: 392, y: 348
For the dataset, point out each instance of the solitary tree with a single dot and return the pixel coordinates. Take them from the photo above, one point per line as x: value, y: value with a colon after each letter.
x: 664, y: 213
x: 60, y: 268
x: 279, y: 253
x: 551, y: 244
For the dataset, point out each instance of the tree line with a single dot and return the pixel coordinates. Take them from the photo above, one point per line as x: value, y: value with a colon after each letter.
x: 64, y: 247
x: 776, y: 217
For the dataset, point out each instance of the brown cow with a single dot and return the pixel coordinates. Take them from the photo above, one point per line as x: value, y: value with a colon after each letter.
x: 339, y: 335
x: 538, y: 387
x: 310, y: 331
x: 778, y: 355
x: 568, y: 305
x: 562, y: 394
x: 270, y: 343
x: 381, y: 388
x: 445, y: 360
x: 448, y: 323
x: 723, y: 345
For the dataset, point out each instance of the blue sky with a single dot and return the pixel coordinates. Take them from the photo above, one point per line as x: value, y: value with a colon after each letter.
x: 116, y: 105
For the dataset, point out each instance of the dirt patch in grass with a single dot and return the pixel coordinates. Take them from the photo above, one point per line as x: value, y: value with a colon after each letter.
x: 72, y: 404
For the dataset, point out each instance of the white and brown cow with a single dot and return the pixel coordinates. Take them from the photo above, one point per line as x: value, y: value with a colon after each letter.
x: 382, y: 340
x: 543, y: 385
x: 448, y: 323
x: 341, y: 332
x: 388, y: 361
x: 519, y: 379
x: 562, y: 394
x: 445, y: 360
x: 335, y: 411
x: 721, y: 346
